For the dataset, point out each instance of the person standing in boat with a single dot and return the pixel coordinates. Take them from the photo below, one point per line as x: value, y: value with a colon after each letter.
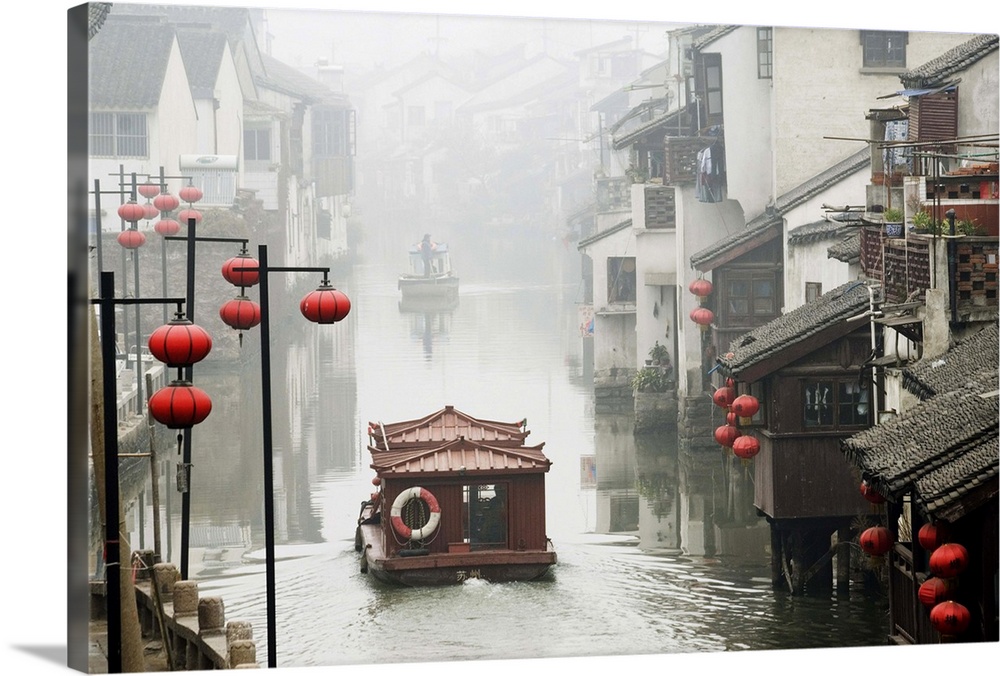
x: 426, y: 247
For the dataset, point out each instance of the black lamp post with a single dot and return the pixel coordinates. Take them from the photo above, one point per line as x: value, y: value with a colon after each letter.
x: 112, y: 546
x: 326, y: 305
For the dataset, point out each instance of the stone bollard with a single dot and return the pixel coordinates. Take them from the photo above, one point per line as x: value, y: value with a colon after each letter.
x: 211, y: 615
x: 185, y: 597
x: 165, y: 576
x: 242, y: 654
x: 238, y: 630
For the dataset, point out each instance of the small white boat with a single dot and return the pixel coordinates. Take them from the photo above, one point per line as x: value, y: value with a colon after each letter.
x: 430, y: 275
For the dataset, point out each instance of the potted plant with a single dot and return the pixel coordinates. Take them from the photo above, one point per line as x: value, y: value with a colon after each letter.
x: 893, y: 220
x: 650, y: 379
x: 659, y: 354
x: 921, y: 221
x: 968, y: 227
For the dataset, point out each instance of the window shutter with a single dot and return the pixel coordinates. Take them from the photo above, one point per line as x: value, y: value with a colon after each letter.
x: 934, y: 117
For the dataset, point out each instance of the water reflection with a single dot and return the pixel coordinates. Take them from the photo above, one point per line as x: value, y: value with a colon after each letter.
x: 660, y: 548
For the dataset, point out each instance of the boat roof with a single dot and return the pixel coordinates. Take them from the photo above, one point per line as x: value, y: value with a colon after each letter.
x: 460, y: 457
x: 447, y: 424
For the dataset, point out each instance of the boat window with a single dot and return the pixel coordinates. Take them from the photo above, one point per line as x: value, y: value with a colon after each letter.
x: 484, y: 518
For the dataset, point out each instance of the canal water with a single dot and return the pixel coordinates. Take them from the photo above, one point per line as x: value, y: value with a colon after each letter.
x: 660, y: 549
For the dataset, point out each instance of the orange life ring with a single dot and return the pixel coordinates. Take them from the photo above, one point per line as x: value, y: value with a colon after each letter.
x: 395, y: 514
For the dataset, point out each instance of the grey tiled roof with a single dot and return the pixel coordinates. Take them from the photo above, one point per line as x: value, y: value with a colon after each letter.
x: 833, y: 307
x: 97, y: 12
x: 847, y: 249
x: 627, y: 137
x: 289, y: 80
x: 128, y: 61
x: 202, y: 50
x: 818, y: 231
x: 945, y: 449
x: 627, y: 223
x: 938, y: 71
x: 969, y: 359
x: 789, y: 200
x: 714, y: 35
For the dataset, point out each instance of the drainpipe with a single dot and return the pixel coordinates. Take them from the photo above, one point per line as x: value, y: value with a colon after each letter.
x: 952, y: 282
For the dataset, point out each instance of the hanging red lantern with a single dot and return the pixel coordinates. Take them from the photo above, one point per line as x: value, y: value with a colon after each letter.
x: 166, y: 202
x: 726, y: 435
x: 746, y: 446
x: 167, y: 227
x: 870, y: 494
x: 149, y: 190
x: 179, y: 405
x: 950, y: 618
x: 131, y: 238
x: 933, y: 535
x: 190, y: 194
x: 701, y: 288
x: 723, y: 397
x: 729, y: 381
x: 131, y: 212
x: 731, y: 418
x: 876, y: 541
x: 149, y: 212
x: 934, y: 590
x: 237, y: 277
x: 325, y: 305
x: 745, y: 406
x: 186, y: 215
x: 180, y: 343
x: 949, y: 560
x: 376, y: 481
x: 241, y: 313
x: 703, y: 317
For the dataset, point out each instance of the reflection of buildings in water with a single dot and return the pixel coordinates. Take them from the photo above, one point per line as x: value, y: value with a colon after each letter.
x: 617, y: 496
x: 656, y: 476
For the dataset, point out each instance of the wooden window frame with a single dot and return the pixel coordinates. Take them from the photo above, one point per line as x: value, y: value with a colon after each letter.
x: 878, y: 49
x: 832, y: 409
x: 621, y: 279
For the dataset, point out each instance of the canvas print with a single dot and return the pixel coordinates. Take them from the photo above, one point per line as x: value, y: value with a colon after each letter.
x: 401, y: 338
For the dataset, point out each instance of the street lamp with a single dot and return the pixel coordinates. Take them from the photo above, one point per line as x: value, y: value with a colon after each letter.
x: 325, y: 305
x: 112, y: 545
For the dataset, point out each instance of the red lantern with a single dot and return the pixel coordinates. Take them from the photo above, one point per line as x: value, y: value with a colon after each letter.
x: 167, y: 227
x: 131, y: 212
x: 179, y: 405
x: 149, y: 212
x: 187, y: 214
x: 166, y: 202
x: 746, y: 446
x: 729, y: 381
x: 745, y: 406
x: 731, y: 418
x: 190, y: 193
x: 376, y: 481
x: 325, y: 305
x: 149, y: 190
x: 131, y: 238
x: 934, y: 590
x: 876, y: 540
x: 240, y: 313
x: 950, y: 618
x: 703, y: 317
x: 949, y: 560
x: 726, y: 435
x: 241, y: 277
x: 870, y: 494
x: 701, y: 288
x: 933, y: 535
x: 180, y: 343
x: 723, y: 397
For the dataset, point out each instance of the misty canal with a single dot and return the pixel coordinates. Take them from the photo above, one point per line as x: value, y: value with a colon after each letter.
x: 660, y: 550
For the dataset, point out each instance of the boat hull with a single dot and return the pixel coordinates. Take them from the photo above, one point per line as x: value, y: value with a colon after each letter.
x: 440, y: 286
x: 447, y: 568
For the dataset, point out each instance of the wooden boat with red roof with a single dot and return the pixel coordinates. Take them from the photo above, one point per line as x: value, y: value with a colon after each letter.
x: 456, y: 498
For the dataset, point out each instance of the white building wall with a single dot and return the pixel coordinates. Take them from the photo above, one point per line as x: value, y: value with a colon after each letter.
x: 229, y: 116
x: 747, y: 111
x: 978, y: 108
x: 824, y: 93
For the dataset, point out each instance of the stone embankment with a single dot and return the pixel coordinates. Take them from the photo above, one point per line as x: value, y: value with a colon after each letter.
x: 181, y: 631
